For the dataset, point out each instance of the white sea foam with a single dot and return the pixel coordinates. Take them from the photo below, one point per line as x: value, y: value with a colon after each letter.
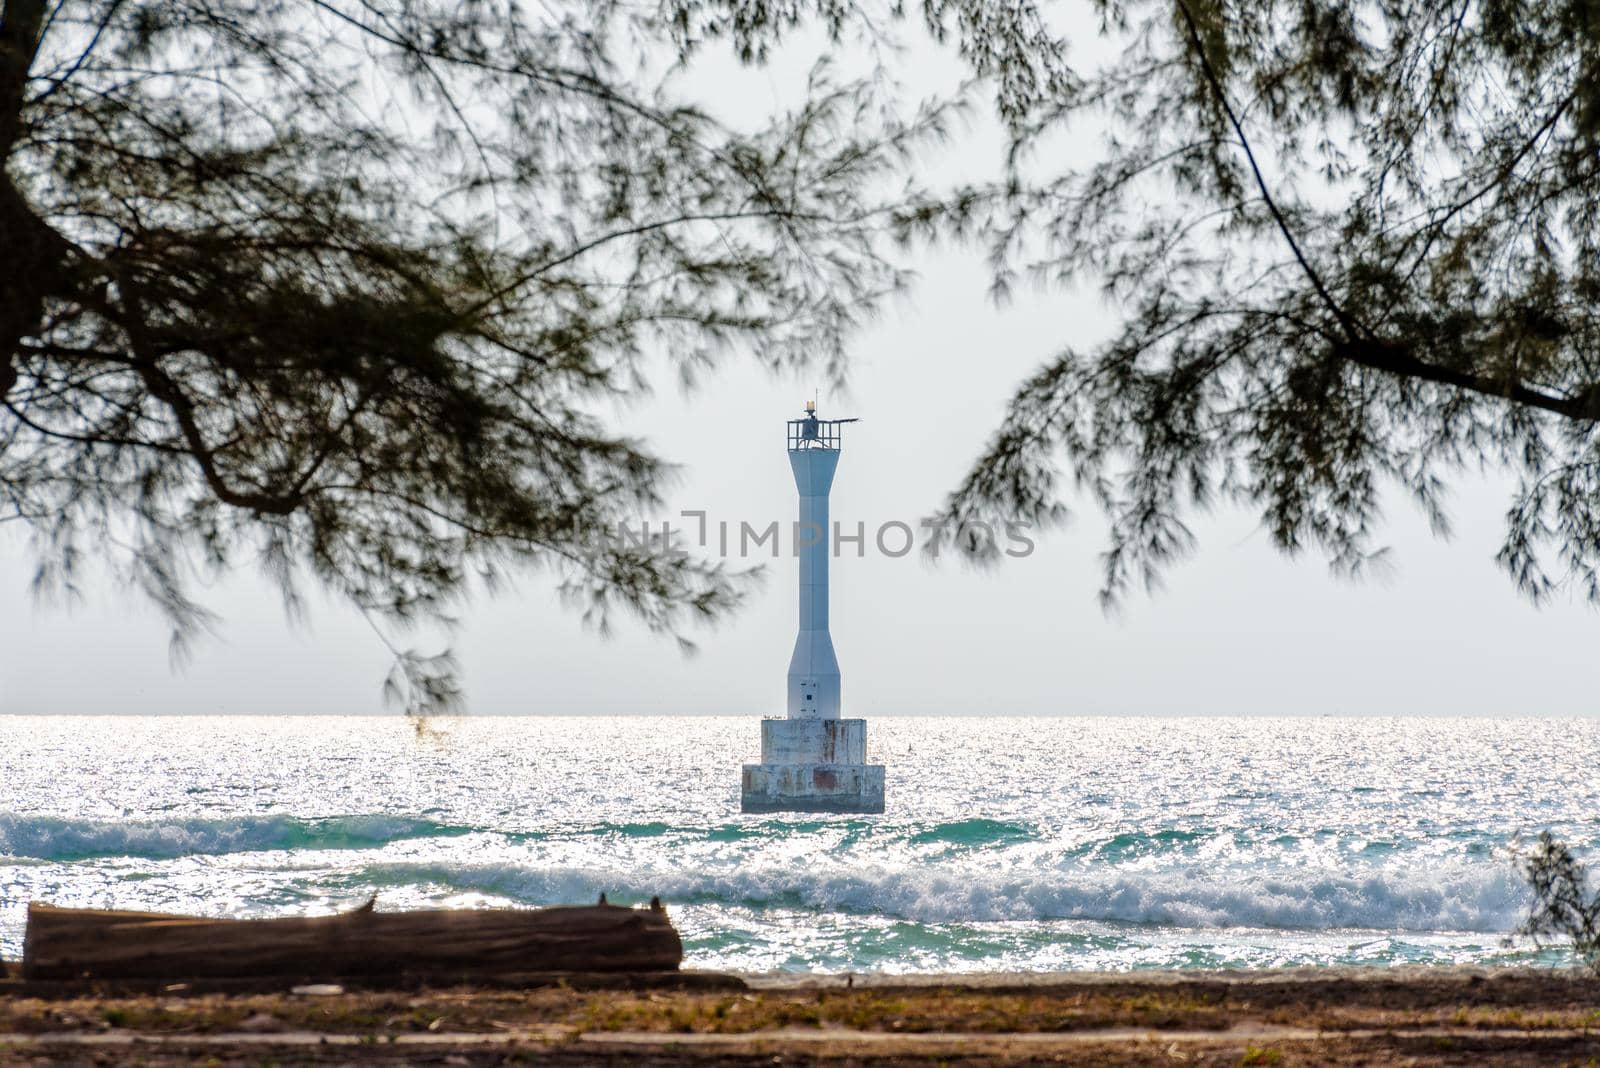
x: 1486, y: 900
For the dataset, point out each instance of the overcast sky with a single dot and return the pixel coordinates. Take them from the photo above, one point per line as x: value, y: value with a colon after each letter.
x: 1239, y: 629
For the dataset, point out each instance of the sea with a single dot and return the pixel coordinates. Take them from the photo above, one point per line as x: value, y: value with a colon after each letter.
x: 1009, y: 844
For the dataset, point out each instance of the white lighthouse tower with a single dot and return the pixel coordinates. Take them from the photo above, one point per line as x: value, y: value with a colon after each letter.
x: 813, y: 761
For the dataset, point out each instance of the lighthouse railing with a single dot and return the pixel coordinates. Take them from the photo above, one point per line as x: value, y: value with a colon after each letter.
x: 816, y: 433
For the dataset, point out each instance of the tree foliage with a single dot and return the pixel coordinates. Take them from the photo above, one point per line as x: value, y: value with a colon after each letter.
x: 1352, y: 245
x: 346, y: 288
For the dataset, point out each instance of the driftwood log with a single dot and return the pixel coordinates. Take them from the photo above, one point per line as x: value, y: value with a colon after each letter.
x: 96, y: 944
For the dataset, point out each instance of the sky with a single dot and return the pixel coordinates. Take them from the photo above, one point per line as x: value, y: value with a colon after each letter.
x: 1239, y: 629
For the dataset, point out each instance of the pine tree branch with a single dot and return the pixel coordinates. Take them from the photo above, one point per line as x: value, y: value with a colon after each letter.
x: 1346, y: 320
x: 1397, y: 359
x: 1360, y: 345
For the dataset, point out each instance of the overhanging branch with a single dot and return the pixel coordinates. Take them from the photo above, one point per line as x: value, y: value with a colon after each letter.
x: 165, y: 389
x: 1346, y: 320
x: 1359, y: 345
x: 1396, y: 359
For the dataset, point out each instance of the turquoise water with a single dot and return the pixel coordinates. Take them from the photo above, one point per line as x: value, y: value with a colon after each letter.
x: 1008, y: 844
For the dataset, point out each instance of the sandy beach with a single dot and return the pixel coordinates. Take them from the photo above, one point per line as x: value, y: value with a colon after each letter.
x: 1429, y: 1016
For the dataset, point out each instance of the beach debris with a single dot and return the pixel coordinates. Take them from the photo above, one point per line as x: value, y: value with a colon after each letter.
x: 317, y: 990
x: 458, y: 943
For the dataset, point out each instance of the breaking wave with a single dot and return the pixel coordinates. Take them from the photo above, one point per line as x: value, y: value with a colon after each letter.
x: 1488, y: 898
x: 55, y: 839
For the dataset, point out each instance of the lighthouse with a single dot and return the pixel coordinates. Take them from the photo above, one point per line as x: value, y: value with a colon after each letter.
x: 812, y: 760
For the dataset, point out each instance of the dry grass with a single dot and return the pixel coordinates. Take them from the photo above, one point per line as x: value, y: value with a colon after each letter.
x: 1365, y: 1021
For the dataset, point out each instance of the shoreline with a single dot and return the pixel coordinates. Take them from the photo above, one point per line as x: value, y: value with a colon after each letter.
x: 1153, y: 976
x: 1311, y: 1016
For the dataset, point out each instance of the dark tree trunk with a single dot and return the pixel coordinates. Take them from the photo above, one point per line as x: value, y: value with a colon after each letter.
x: 33, y: 266
x: 31, y: 259
x: 21, y: 22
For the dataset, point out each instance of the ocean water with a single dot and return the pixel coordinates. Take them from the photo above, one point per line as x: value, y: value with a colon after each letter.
x: 1037, y: 843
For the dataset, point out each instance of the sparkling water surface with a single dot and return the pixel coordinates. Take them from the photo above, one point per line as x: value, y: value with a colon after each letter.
x: 1009, y: 844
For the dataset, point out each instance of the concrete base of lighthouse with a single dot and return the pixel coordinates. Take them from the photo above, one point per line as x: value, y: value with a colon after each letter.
x: 812, y: 765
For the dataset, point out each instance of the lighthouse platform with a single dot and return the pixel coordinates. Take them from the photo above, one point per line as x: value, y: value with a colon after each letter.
x: 812, y: 764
